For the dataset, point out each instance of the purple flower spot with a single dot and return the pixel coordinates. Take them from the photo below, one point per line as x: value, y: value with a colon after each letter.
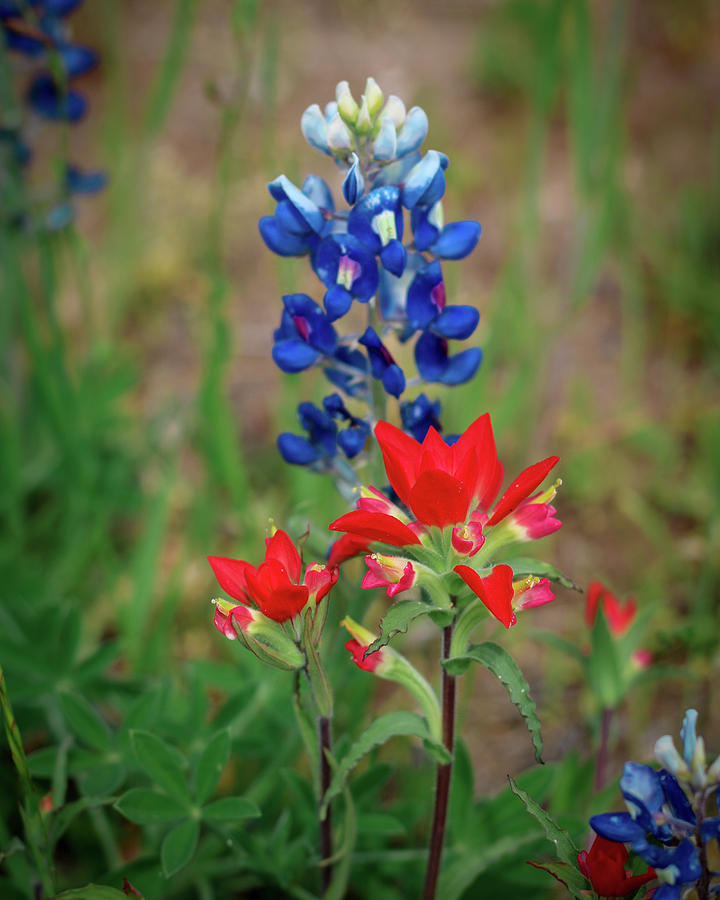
x: 301, y: 323
x: 437, y: 295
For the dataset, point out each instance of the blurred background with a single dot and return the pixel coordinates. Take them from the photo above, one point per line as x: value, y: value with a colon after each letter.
x: 139, y: 404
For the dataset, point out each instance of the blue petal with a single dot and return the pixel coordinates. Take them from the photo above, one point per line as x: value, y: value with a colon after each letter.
x: 393, y: 256
x: 297, y: 450
x: 422, y: 309
x: 683, y: 860
x: 431, y: 356
x: 352, y: 359
x: 457, y: 240
x: 24, y: 43
x: 668, y: 892
x: 386, y: 142
x: 395, y: 172
x: 393, y: 291
x: 711, y: 828
x: 294, y: 355
x: 425, y: 231
x: 676, y: 797
x: 352, y: 441
x: 280, y: 241
x: 59, y: 217
x: 619, y: 827
x: 413, y: 131
x: 362, y: 215
x: 338, y: 301
x: 326, y: 263
x: 456, y: 322
x: 641, y: 788
x: 393, y: 380
x: 419, y: 415
x: 79, y: 182
x: 425, y: 184
x: 462, y: 366
x: 334, y: 406
x: 283, y: 189
x: 60, y: 7
x: 77, y: 60
x: 314, y: 128
x: 317, y: 190
x: 688, y: 735
x: 322, y: 429
x: 46, y: 100
x: 354, y: 184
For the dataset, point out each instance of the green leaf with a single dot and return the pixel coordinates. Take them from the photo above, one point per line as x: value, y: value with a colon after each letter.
x: 103, y: 778
x: 342, y: 860
x: 161, y: 762
x: 562, y: 644
x: 459, y: 874
x: 395, y: 724
x: 397, y: 619
x: 506, y: 670
x: 565, y: 849
x: 92, y: 892
x: 84, y: 721
x: 145, y: 807
x: 179, y: 845
x: 605, y: 665
x: 210, y: 766
x: 64, y: 817
x: 380, y: 824
x: 525, y: 565
x: 572, y: 878
x: 230, y: 808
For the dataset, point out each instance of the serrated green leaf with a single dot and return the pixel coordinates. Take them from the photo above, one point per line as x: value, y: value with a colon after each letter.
x: 525, y: 565
x: 506, y: 670
x: 565, y: 849
x: 228, y: 809
x: 459, y: 874
x: 145, y: 807
x: 210, y: 765
x: 84, y: 721
x: 179, y: 846
x: 397, y: 619
x: 92, y: 892
x: 395, y: 724
x: 161, y: 762
x: 569, y: 876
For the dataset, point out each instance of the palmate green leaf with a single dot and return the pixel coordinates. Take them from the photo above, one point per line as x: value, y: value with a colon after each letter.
x: 65, y: 816
x: 162, y: 763
x: 179, y: 846
x: 395, y: 724
x: 397, y: 619
x: 565, y: 849
x: 145, y: 807
x: 92, y: 892
x: 210, y: 765
x: 229, y: 809
x: 84, y: 721
x: 572, y: 878
x: 506, y: 670
x: 525, y: 565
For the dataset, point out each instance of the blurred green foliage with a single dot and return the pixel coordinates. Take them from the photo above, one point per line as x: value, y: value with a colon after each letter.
x: 106, y: 510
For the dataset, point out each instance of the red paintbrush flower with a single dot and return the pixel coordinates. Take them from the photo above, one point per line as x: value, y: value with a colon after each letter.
x: 275, y: 587
x: 604, y: 867
x: 619, y: 617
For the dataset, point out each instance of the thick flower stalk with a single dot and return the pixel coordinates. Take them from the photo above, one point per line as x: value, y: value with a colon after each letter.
x: 667, y: 823
x: 39, y: 58
x: 383, y: 251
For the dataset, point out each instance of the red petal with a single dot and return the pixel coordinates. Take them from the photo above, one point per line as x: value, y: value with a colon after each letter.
x: 436, y: 454
x: 439, y: 499
x: 522, y: 487
x: 478, y: 441
x: 495, y: 590
x: 375, y: 527
x: 282, y: 549
x: 401, y: 454
x: 346, y: 547
x: 592, y: 601
x: 232, y: 575
x: 285, y: 603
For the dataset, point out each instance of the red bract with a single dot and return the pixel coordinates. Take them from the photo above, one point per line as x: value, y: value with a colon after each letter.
x: 274, y: 587
x: 441, y: 484
x: 604, y: 867
x: 619, y: 617
x: 357, y: 651
x: 495, y: 590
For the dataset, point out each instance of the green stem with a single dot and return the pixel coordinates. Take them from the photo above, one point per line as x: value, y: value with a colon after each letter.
x: 466, y: 622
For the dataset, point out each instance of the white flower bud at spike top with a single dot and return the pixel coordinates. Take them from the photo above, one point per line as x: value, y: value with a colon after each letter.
x: 346, y: 104
x: 338, y: 135
x: 374, y: 97
x: 364, y: 122
x: 394, y: 109
x: 667, y: 755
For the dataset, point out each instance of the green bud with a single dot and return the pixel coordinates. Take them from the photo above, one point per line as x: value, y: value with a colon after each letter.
x: 347, y: 106
x: 269, y: 641
x: 374, y: 97
x: 363, y: 124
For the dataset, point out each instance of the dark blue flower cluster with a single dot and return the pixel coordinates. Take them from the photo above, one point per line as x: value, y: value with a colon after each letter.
x: 367, y: 253
x: 667, y: 822
x: 34, y: 35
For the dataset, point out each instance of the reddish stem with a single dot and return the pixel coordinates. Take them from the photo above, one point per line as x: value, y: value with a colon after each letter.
x: 444, y: 772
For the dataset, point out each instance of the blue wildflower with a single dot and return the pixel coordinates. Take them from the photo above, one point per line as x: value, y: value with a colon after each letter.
x: 348, y: 269
x: 435, y: 364
x: 426, y: 309
x: 419, y: 415
x: 298, y: 222
x: 382, y: 365
x: 377, y: 222
x: 453, y: 241
x: 321, y: 442
x: 305, y: 334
